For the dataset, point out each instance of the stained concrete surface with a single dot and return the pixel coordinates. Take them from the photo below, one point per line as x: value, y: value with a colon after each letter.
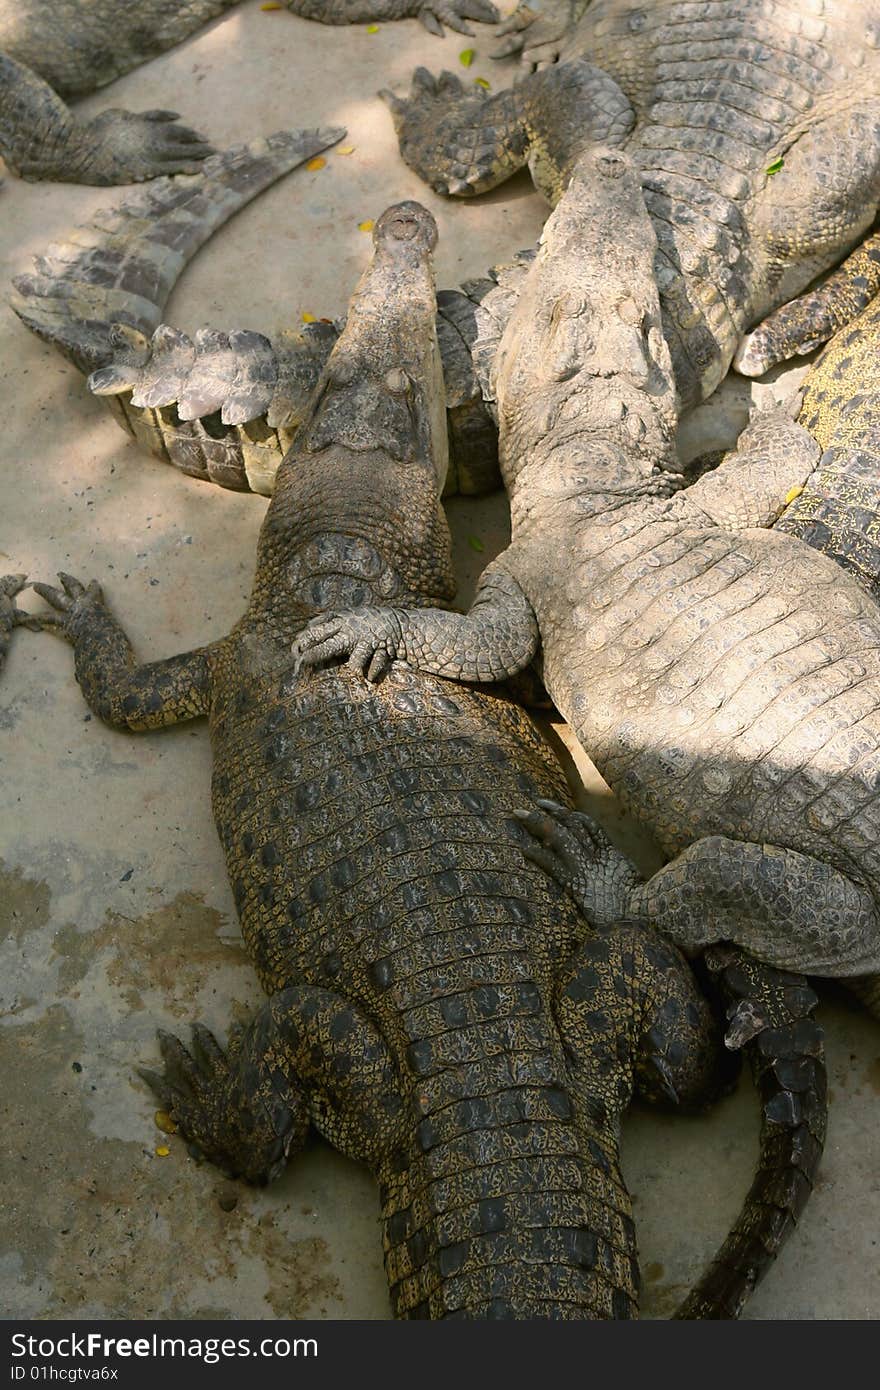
x: 115, y: 914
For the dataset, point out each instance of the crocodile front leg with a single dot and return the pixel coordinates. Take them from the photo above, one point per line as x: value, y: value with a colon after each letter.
x: 308, y: 1057
x: 463, y: 143
x: 783, y: 907
x: 797, y: 328
x: 673, y: 1039
x: 11, y: 616
x: 116, y: 686
x: 495, y: 640
x: 41, y: 139
x: 433, y: 13
x: 754, y: 484
x: 538, y: 32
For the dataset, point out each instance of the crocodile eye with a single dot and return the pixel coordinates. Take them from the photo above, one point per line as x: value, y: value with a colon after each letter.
x: 397, y: 381
x: 342, y: 372
x: 568, y: 306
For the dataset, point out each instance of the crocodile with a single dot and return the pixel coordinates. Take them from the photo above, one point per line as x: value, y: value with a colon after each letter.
x: 438, y: 1008
x: 753, y: 125
x: 723, y: 677
x: 74, y: 47
x: 791, y: 122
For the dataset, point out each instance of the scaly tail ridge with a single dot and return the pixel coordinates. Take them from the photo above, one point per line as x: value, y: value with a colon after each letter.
x: 769, y: 1013
x: 120, y: 267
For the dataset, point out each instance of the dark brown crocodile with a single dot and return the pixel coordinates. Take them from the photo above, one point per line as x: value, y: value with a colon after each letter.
x: 438, y: 1007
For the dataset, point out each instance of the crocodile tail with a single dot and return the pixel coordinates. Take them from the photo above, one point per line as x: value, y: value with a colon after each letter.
x: 769, y: 1013
x: 120, y: 268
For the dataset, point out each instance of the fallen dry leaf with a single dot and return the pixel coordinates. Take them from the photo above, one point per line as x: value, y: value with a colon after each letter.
x: 466, y: 56
x: 345, y: 149
x: 163, y: 1151
x: 366, y: 226
x: 317, y: 163
x: 309, y: 318
x: 165, y: 1122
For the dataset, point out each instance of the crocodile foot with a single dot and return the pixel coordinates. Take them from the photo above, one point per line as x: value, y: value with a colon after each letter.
x: 454, y: 14
x: 11, y: 616
x: 128, y: 147
x: 223, y: 1107
x: 72, y: 602
x: 369, y: 638
x: 453, y: 138
x: 537, y: 34
x: 577, y: 853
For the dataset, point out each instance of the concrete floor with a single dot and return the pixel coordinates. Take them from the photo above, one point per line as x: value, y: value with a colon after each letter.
x: 115, y: 915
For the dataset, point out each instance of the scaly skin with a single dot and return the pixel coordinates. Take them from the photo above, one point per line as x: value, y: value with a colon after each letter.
x: 725, y: 680
x: 435, y: 1010
x: 99, y: 298
x: 72, y: 47
x: 802, y: 325
x: 11, y: 616
x: 837, y: 512
x: 705, y: 99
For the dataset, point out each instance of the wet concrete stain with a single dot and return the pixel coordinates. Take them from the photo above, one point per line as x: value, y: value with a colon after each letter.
x: 171, y: 950
x: 24, y: 904
x: 108, y: 1234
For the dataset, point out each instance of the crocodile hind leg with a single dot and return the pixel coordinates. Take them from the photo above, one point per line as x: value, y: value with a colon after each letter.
x: 674, y: 1040
x: 458, y: 142
x: 797, y: 328
x: 769, y: 1015
x: 11, y: 616
x: 433, y: 13
x: 41, y: 139
x: 785, y: 908
x: 116, y: 686
x: 307, y: 1058
x: 463, y: 143
x: 538, y: 32
x: 756, y: 481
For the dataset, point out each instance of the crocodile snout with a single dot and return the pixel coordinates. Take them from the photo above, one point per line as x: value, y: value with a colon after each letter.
x: 408, y: 222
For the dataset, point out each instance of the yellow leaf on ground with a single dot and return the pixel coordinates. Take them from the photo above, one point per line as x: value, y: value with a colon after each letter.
x: 317, y: 163
x: 163, y: 1151
x: 271, y: 5
x: 466, y: 56
x: 481, y: 82
x: 792, y: 493
x: 372, y: 28
x: 165, y: 1122
x: 366, y: 226
x: 345, y: 149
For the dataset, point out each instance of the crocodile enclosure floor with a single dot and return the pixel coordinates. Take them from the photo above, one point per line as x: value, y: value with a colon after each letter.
x: 115, y: 914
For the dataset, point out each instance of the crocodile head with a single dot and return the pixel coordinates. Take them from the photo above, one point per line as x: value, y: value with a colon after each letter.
x: 583, y: 376
x: 358, y: 494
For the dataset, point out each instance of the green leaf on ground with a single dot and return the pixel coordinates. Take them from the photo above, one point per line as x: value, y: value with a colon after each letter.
x: 476, y: 544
